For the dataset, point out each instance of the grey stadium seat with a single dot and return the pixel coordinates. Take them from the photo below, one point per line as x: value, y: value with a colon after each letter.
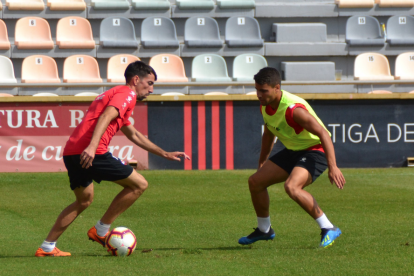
x: 400, y: 30
x: 245, y: 66
x: 202, y: 32
x: 195, y: 4
x: 118, y: 32
x: 236, y: 4
x: 209, y: 68
x: 110, y: 4
x: 243, y: 31
x: 151, y: 4
x: 363, y: 31
x: 158, y: 32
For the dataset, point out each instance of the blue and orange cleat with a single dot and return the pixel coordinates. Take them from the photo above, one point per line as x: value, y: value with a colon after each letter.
x: 328, y: 236
x: 54, y: 253
x: 93, y: 236
x: 257, y: 235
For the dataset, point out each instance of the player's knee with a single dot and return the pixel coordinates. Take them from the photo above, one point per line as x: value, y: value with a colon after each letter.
x: 140, y: 186
x: 253, y: 184
x: 85, y: 203
x: 291, y: 190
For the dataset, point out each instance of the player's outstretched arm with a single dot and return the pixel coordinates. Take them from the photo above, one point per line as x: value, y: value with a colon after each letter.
x: 104, y: 120
x: 308, y: 122
x: 143, y: 142
x: 268, y: 140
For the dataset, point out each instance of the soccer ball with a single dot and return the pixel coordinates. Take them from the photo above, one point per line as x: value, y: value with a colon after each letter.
x: 121, y: 242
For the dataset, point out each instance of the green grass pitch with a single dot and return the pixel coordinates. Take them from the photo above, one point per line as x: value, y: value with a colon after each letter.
x: 192, y: 220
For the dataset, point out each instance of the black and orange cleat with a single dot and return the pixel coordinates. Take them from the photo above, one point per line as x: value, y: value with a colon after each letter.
x: 93, y: 236
x: 54, y: 253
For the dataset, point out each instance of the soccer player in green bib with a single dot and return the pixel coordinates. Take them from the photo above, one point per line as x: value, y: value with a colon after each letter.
x: 308, y: 152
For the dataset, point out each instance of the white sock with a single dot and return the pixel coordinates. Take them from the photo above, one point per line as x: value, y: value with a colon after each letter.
x: 263, y: 224
x: 48, y: 246
x: 324, y: 222
x: 102, y: 228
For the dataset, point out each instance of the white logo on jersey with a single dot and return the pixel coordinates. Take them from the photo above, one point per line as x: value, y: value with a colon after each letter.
x: 132, y: 93
x: 303, y: 159
x: 124, y: 105
x: 129, y: 99
x: 99, y: 97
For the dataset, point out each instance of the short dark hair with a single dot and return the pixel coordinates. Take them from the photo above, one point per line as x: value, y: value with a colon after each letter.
x: 269, y: 76
x: 140, y: 69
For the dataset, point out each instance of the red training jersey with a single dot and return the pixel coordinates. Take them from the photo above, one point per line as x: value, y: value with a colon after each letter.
x: 120, y: 97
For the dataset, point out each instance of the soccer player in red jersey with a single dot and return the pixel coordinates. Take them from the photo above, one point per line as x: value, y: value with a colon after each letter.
x: 87, y: 158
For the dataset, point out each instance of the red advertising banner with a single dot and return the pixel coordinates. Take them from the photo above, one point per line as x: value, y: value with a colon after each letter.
x: 33, y: 135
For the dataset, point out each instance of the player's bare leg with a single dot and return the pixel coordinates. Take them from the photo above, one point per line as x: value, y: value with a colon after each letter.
x: 134, y: 185
x: 84, y: 198
x: 294, y: 187
x: 267, y: 175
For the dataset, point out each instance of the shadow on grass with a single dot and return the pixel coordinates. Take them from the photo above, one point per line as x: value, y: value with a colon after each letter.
x: 76, y: 255
x: 206, y: 248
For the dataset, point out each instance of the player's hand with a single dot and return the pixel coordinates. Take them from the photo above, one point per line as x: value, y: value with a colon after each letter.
x: 335, y: 176
x: 87, y: 157
x: 176, y: 155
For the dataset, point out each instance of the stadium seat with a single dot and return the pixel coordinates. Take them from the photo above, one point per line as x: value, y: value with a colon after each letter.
x: 25, y: 5
x: 202, y: 32
x: 372, y: 66
x: 4, y: 37
x: 74, y: 32
x: 81, y: 69
x: 173, y: 94
x: 66, y: 5
x: 243, y: 32
x: 117, y: 32
x: 236, y: 4
x: 86, y: 94
x: 209, y: 68
x: 363, y: 31
x: 117, y: 65
x: 355, y: 3
x: 395, y: 3
x: 151, y: 4
x: 404, y: 66
x: 216, y: 94
x: 400, y: 30
x: 45, y: 94
x: 169, y: 68
x: 195, y: 4
x: 5, y: 95
x: 6, y: 70
x: 245, y: 66
x: 39, y: 69
x: 110, y: 4
x: 158, y: 32
x: 33, y: 33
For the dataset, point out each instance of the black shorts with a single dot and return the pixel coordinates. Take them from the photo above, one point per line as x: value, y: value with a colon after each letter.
x: 313, y: 161
x: 104, y: 167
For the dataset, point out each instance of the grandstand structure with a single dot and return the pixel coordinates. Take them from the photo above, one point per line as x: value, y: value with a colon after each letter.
x: 68, y: 47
